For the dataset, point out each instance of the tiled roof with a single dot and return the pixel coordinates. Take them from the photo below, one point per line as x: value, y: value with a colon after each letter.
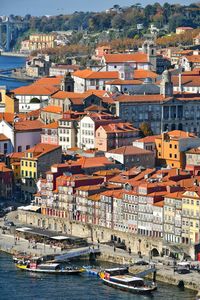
x: 15, y: 155
x: 63, y: 95
x: 130, y: 150
x: 119, y: 127
x: 178, y: 134
x: 35, y: 90
x: 3, y: 168
x: 54, y: 81
x: 142, y: 74
x: 89, y: 74
x: 52, y: 109
x: 40, y: 149
x: 92, y: 162
x: 9, y: 117
x: 141, y: 98
x: 120, y: 58
x: 28, y: 125
x: 3, y: 137
x: 194, y: 151
x: 53, y: 125
x: 148, y: 139
x: 193, y: 58
x: 193, y: 81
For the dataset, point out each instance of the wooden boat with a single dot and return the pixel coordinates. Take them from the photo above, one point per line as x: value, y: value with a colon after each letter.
x: 120, y: 278
x: 50, y: 268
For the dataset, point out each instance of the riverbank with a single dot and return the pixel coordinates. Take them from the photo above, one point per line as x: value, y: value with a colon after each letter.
x: 8, y: 244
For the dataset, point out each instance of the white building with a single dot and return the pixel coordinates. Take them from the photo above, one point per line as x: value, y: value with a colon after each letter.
x: 33, y: 97
x: 85, y: 80
x: 23, y: 135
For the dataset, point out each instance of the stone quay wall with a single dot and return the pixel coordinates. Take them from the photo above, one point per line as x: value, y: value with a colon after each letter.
x: 93, y: 233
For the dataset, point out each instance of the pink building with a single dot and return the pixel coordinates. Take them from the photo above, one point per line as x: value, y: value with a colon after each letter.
x: 49, y: 134
x: 115, y: 135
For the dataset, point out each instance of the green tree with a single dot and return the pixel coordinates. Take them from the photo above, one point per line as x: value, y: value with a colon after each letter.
x: 145, y: 129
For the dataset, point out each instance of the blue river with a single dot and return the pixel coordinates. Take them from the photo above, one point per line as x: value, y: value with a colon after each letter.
x: 8, y: 62
x: 19, y: 285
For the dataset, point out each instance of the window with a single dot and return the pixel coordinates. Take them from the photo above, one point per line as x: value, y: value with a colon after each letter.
x: 170, y: 145
x: 19, y: 148
x: 26, y: 164
x: 170, y: 155
x: 27, y: 147
x: 22, y: 163
x: 175, y: 146
x: 175, y: 156
x: 26, y: 173
x: 30, y: 164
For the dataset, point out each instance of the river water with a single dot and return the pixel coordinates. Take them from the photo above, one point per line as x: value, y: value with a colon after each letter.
x: 20, y: 285
x: 8, y: 62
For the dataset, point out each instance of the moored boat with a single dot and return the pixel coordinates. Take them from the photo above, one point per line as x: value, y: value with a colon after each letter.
x: 120, y: 278
x: 50, y: 268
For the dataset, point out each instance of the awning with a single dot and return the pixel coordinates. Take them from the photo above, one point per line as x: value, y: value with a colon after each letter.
x: 30, y: 208
x: 60, y: 238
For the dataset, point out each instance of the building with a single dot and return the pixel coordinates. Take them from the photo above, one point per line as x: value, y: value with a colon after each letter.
x: 36, y: 161
x: 146, y: 143
x: 38, y: 66
x: 115, y: 135
x: 101, y: 50
x: 51, y: 114
x: 88, y: 126
x: 8, y: 103
x: 130, y: 156
x: 187, y: 82
x: 34, y: 96
x: 85, y: 80
x: 22, y: 134
x: 190, y: 62
x: 181, y: 30
x: 196, y: 40
x: 49, y: 134
x: 171, y: 147
x: 39, y: 41
x: 6, y: 182
x: 62, y: 69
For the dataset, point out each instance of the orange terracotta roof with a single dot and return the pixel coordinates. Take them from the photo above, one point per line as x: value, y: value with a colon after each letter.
x: 53, y: 125
x: 89, y: 74
x: 52, y: 109
x: 130, y: 150
x: 194, y: 151
x: 16, y: 155
x: 35, y: 90
x: 3, y: 137
x: 3, y: 168
x: 99, y: 93
x: 83, y: 73
x: 113, y: 193
x: 28, y: 125
x: 147, y: 139
x: 118, y: 127
x: 89, y: 162
x: 9, y: 117
x: 142, y: 74
x: 178, y: 134
x: 193, y: 58
x: 141, y: 98
x: 54, y: 81
x: 41, y: 149
x: 187, y: 80
x: 118, y: 58
x: 63, y: 95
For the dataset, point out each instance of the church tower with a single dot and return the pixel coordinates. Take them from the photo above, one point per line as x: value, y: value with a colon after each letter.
x: 149, y: 48
x: 67, y: 84
x: 166, y: 85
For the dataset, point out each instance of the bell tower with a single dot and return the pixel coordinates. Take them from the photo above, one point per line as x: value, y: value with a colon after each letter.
x: 67, y: 84
x: 166, y: 85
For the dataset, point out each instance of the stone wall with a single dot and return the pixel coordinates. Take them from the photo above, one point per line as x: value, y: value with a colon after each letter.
x: 137, y: 243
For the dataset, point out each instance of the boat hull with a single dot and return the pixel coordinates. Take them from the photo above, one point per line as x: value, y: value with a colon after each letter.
x: 134, y: 290
x: 64, y: 272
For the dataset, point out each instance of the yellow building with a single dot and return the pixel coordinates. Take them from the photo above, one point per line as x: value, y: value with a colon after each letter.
x: 41, y: 41
x: 171, y: 147
x: 35, y: 162
x: 11, y: 104
x: 191, y: 216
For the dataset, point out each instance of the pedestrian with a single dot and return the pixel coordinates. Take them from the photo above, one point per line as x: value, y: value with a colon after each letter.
x: 114, y: 248
x: 129, y: 251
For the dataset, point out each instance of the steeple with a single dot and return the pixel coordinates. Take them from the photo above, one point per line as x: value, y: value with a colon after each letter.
x: 67, y: 83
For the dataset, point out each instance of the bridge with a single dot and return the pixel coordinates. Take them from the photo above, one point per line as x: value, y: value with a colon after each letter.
x: 77, y: 253
x: 10, y: 26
